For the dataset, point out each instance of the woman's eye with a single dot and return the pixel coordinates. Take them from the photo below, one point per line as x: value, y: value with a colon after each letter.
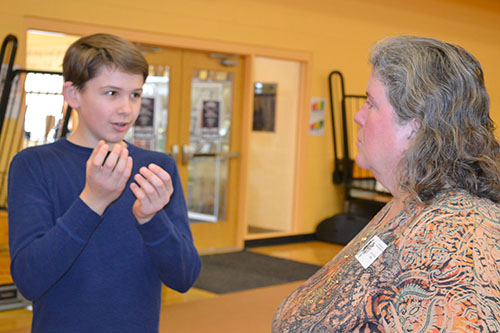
x: 110, y: 93
x: 369, y: 104
x: 135, y: 95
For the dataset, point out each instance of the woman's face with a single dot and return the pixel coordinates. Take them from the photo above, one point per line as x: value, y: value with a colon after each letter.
x: 382, y: 141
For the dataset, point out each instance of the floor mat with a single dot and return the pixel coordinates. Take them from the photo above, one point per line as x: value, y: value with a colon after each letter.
x: 230, y: 272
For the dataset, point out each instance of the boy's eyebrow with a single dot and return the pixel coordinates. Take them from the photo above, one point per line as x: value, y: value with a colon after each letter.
x: 118, y: 88
x: 111, y: 87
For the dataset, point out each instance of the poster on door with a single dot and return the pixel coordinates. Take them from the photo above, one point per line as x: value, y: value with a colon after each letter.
x: 144, y: 124
x: 210, y: 117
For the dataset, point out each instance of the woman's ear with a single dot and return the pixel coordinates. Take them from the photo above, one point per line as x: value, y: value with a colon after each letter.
x: 71, y: 95
x: 414, y: 127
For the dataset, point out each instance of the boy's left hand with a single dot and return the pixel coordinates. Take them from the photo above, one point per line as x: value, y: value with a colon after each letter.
x: 152, y: 189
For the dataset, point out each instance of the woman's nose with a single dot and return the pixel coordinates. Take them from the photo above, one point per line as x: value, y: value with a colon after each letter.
x: 358, y: 117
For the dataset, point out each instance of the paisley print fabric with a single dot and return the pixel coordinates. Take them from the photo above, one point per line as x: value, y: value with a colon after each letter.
x: 439, y: 273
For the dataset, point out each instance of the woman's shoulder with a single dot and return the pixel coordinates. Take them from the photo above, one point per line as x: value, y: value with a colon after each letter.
x: 454, y: 217
x: 460, y: 214
x: 460, y: 203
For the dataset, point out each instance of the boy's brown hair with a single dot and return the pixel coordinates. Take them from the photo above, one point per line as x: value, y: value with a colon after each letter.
x: 85, y: 58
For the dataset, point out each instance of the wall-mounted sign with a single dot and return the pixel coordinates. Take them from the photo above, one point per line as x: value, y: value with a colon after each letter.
x: 317, y: 116
x: 264, y: 106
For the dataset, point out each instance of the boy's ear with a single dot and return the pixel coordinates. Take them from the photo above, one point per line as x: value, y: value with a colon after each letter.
x: 71, y: 95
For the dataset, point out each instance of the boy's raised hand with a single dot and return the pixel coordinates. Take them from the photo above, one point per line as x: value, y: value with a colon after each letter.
x: 106, y: 178
x: 152, y: 189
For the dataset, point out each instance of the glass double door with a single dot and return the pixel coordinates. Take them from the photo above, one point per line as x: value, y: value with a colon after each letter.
x: 191, y: 109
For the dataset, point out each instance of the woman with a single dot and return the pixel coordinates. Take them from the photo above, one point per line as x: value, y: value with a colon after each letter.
x: 430, y: 260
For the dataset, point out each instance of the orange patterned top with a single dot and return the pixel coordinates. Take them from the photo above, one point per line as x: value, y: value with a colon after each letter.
x: 440, y: 272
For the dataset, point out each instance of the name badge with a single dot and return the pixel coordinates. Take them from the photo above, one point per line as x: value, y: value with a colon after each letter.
x: 371, y: 251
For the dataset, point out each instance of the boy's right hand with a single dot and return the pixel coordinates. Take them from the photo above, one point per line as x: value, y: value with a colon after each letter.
x: 106, y: 178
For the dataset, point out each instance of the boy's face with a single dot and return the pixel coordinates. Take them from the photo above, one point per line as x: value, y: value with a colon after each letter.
x: 107, y: 106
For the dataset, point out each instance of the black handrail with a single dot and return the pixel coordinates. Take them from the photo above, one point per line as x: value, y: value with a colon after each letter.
x: 337, y: 173
x: 11, y: 143
x: 7, y: 82
x: 343, y: 167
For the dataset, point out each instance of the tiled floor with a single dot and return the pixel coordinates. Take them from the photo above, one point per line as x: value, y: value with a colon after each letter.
x: 202, y: 311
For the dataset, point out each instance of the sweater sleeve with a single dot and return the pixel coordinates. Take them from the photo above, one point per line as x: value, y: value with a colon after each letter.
x: 169, y: 241
x: 42, y: 246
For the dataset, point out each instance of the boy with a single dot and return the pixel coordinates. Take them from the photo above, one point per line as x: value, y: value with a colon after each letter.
x: 90, y: 243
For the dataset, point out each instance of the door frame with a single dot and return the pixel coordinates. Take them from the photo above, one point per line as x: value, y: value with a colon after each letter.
x: 248, y: 52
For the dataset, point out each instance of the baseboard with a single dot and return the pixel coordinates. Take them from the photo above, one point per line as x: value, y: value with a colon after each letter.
x: 280, y: 240
x: 11, y: 298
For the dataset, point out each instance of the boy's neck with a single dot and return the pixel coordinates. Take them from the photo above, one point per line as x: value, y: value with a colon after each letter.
x: 83, y: 143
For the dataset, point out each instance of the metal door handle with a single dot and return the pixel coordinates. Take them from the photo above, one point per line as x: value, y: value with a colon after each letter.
x: 175, y: 152
x: 227, y: 155
x: 187, y: 153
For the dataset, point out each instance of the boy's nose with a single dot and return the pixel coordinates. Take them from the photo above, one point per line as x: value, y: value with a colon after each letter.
x: 126, y: 106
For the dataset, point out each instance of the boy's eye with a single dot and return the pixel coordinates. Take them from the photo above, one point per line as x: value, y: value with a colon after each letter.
x: 135, y: 95
x: 111, y: 93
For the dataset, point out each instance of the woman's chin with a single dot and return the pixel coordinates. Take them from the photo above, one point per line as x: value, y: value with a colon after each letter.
x: 360, y: 162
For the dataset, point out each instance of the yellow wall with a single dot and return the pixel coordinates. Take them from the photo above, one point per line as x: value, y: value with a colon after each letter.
x: 338, y: 34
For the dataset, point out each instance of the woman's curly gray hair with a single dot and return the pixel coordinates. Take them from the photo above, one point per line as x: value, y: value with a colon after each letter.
x: 440, y: 85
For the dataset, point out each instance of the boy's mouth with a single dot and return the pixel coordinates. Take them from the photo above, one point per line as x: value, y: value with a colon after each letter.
x: 120, y: 125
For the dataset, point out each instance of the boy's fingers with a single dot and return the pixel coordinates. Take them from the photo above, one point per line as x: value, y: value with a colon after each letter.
x: 151, y: 177
x: 146, y: 186
x: 152, y: 188
x: 122, y: 161
x: 161, y: 180
x: 138, y: 192
x: 99, y: 154
x: 113, y: 157
x: 97, y: 148
x: 127, y: 171
x: 161, y: 174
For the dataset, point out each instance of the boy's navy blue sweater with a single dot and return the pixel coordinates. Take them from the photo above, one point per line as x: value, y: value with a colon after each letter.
x: 91, y: 273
